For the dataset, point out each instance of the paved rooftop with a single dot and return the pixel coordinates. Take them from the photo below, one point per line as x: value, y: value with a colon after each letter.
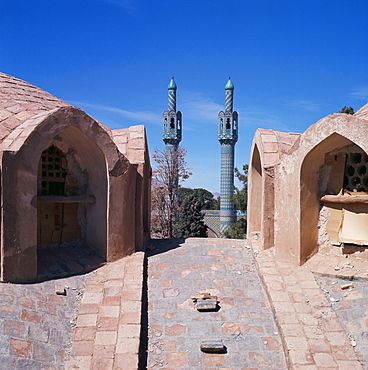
x: 271, y: 315
x: 244, y: 320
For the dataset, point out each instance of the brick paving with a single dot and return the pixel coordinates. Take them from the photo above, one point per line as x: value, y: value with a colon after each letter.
x: 313, y: 335
x: 267, y: 308
x: 36, y: 324
x: 108, y: 327
x: 349, y: 300
x: 95, y: 326
x: 244, y: 321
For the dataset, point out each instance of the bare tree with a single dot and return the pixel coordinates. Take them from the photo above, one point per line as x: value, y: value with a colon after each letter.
x: 171, y: 170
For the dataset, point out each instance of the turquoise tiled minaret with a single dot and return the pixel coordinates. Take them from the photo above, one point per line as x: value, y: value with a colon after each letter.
x: 171, y: 135
x: 171, y: 126
x: 228, y: 136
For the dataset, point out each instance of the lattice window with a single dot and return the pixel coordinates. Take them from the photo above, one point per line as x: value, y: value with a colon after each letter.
x: 53, y: 174
x: 356, y: 175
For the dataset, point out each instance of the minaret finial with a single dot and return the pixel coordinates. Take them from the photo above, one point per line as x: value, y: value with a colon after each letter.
x: 172, y: 84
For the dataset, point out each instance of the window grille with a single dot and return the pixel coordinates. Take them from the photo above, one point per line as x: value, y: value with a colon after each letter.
x: 356, y: 176
x: 53, y: 174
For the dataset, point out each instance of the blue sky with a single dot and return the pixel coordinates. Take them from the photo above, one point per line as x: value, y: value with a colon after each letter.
x: 292, y: 63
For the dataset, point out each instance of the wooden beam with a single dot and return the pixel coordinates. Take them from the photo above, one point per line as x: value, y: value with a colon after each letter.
x: 345, y: 199
x: 71, y: 199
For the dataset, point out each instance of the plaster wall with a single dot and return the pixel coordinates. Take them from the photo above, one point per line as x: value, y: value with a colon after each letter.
x: 95, y: 152
x: 297, y: 202
x: 260, y: 212
x: 255, y: 195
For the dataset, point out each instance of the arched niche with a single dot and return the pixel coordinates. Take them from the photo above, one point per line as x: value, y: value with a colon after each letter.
x: 310, y: 192
x: 254, y: 211
x: 79, y: 212
x: 78, y: 135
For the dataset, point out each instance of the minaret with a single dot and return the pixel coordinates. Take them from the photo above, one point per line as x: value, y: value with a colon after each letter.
x: 171, y: 127
x: 171, y: 135
x: 228, y: 136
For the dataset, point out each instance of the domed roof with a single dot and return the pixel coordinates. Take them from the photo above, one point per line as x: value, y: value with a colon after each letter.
x: 362, y: 112
x: 19, y: 101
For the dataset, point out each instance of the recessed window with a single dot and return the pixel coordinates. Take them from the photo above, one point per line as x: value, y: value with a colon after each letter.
x: 52, y: 174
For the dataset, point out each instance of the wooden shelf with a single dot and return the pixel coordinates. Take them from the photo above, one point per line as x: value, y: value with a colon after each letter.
x: 344, y: 199
x: 71, y: 199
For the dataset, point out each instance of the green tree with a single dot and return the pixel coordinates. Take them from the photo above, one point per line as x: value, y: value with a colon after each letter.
x: 237, y: 230
x: 190, y: 222
x: 239, y: 197
x: 203, y: 196
x: 347, y: 110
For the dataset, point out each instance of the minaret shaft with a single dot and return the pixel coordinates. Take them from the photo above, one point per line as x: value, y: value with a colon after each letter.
x: 229, y: 100
x: 172, y: 100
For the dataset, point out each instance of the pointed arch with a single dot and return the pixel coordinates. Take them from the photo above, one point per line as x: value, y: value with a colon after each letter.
x: 255, y: 191
x: 103, y: 174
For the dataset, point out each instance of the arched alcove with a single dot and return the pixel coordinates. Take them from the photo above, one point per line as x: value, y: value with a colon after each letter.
x: 89, y: 151
x: 254, y: 211
x: 79, y: 208
x: 310, y: 192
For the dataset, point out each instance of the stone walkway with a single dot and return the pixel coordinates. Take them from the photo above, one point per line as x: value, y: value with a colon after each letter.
x: 271, y: 314
x: 108, y: 327
x: 244, y: 320
x: 349, y: 300
x: 36, y: 324
x: 313, y: 335
x: 96, y: 325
